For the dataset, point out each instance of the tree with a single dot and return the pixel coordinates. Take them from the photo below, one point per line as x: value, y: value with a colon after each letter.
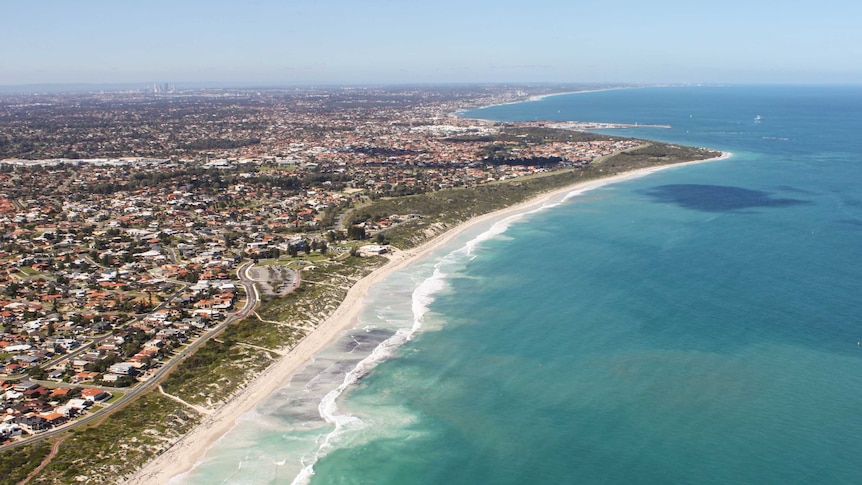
x: 12, y: 288
x: 37, y: 373
x: 356, y: 233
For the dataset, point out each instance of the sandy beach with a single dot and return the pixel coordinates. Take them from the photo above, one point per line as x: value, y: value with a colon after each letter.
x: 183, y: 456
x: 540, y: 97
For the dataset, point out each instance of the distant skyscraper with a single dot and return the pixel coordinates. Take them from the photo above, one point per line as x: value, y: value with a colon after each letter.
x: 163, y: 88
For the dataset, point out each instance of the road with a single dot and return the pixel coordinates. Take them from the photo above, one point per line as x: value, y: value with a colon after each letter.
x: 101, y: 338
x: 132, y: 393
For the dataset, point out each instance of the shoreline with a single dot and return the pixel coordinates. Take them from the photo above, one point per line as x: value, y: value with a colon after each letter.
x: 184, y: 455
x: 530, y: 99
x: 540, y: 97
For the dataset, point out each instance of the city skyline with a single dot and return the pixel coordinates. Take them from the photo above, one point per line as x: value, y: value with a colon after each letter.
x: 379, y: 41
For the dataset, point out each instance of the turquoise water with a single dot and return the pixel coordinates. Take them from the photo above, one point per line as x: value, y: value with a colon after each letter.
x: 698, y: 325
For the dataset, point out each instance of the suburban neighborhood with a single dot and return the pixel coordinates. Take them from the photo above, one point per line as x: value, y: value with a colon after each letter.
x: 129, y: 219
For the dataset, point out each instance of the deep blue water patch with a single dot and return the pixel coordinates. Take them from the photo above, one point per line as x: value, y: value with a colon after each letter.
x: 717, y: 198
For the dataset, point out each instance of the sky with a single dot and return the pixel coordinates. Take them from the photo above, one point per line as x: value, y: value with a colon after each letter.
x: 267, y: 42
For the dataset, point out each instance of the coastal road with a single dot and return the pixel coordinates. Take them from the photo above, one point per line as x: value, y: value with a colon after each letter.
x: 132, y: 393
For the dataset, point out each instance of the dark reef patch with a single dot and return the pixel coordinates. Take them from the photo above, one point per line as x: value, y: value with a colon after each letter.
x: 717, y: 198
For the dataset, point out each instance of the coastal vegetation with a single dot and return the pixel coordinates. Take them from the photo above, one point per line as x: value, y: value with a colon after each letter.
x: 119, y: 445
x: 17, y: 463
x: 445, y: 209
x: 321, y: 291
x: 210, y: 375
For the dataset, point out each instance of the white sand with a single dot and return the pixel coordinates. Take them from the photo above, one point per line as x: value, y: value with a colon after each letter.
x: 187, y: 451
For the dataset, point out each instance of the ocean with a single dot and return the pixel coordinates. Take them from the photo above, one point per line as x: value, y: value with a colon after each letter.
x: 698, y: 325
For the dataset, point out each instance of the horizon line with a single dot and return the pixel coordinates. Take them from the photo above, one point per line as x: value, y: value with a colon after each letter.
x: 70, y: 87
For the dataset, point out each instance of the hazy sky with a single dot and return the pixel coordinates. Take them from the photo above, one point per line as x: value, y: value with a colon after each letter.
x: 388, y: 41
